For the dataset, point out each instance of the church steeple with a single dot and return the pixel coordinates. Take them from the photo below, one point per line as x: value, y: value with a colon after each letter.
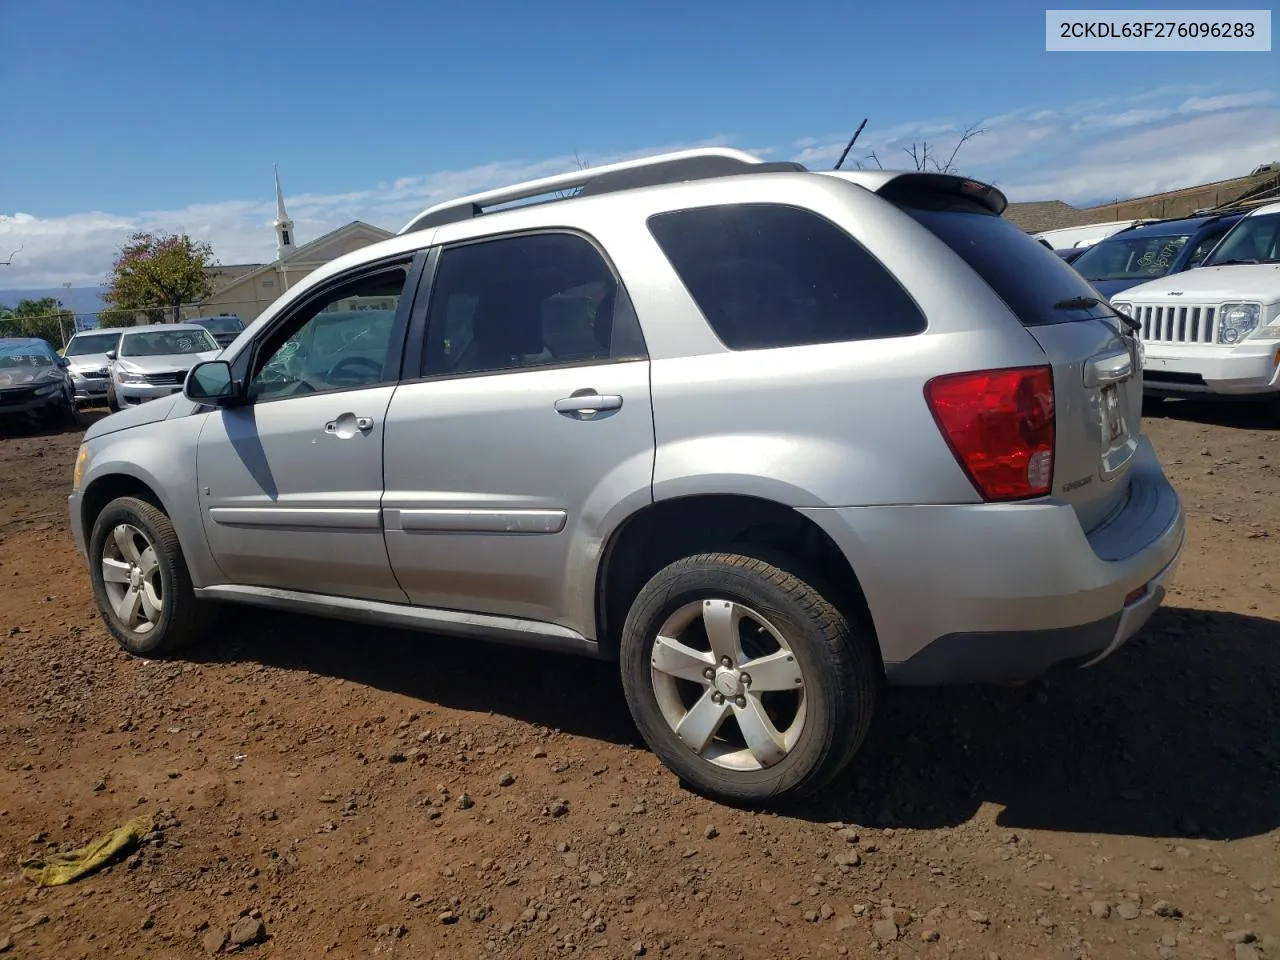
x: 284, y: 226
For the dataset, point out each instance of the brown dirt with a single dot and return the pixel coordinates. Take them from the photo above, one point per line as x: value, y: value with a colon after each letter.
x: 312, y: 774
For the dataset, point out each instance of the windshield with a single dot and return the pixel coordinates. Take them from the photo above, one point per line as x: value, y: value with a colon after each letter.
x: 221, y: 324
x: 1254, y: 239
x: 86, y: 343
x: 1131, y: 257
x: 13, y: 355
x: 164, y: 343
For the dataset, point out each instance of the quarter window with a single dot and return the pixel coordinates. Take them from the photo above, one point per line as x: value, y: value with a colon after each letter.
x: 337, y: 341
x: 528, y: 301
x: 768, y: 275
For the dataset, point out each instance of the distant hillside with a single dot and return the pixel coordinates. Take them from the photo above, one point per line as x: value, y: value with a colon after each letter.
x: 84, y: 302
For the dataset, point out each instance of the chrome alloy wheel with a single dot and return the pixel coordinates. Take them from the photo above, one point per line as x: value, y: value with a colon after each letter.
x: 728, y: 684
x: 131, y: 575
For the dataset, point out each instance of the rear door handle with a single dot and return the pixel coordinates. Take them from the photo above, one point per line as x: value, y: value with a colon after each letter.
x: 348, y: 425
x: 581, y: 403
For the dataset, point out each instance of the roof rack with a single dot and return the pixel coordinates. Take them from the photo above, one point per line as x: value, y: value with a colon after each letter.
x: 696, y: 164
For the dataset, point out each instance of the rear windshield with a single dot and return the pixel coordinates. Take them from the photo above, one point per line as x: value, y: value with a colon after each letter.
x: 1031, y: 279
x: 221, y: 324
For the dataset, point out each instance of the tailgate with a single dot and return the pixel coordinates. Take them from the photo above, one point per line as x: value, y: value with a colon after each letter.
x: 1096, y: 362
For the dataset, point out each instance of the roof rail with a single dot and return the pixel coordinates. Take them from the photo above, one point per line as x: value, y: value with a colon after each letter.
x: 693, y: 164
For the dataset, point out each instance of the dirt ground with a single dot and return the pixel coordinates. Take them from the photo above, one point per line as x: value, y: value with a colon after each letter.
x: 321, y: 789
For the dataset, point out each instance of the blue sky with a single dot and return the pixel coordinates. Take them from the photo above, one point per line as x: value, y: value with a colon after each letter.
x: 169, y: 116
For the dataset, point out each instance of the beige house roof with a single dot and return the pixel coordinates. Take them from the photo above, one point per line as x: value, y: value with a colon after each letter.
x: 252, y: 291
x: 1040, y: 215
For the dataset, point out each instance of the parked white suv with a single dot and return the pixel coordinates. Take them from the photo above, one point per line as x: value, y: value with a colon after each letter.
x: 1214, y: 331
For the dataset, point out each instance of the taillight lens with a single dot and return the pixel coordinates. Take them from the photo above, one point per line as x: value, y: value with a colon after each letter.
x: 1000, y: 426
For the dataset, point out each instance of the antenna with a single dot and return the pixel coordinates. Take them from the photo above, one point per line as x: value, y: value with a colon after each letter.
x: 849, y: 145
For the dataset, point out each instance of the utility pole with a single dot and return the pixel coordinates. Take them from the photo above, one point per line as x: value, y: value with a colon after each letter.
x: 61, y: 329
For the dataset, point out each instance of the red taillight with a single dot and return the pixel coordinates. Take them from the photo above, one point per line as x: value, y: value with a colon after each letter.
x: 1000, y: 426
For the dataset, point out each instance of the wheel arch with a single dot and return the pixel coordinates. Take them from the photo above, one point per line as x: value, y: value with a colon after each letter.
x: 667, y: 530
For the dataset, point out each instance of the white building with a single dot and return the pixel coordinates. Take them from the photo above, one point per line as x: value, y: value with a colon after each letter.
x: 247, y: 289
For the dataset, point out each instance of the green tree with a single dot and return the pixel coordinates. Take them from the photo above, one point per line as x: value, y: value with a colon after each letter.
x: 45, y: 318
x: 157, y: 273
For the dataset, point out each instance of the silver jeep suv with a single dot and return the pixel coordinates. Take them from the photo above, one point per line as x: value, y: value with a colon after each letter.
x: 766, y: 437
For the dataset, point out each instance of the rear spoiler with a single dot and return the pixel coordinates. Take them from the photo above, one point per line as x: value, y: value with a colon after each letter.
x: 905, y: 182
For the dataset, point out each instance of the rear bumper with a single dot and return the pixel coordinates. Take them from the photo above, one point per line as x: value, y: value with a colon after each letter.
x: 1248, y: 370
x: 1001, y: 592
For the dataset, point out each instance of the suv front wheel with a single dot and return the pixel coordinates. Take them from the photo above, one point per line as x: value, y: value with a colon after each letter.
x: 744, y: 680
x: 140, y: 580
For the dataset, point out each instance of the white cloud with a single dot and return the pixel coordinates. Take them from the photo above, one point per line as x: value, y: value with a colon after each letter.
x: 1087, y: 151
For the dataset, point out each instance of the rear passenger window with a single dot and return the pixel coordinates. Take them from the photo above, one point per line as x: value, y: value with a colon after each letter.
x: 529, y: 301
x: 768, y: 275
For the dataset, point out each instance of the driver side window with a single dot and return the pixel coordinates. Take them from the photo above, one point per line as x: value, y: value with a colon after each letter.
x: 339, y: 340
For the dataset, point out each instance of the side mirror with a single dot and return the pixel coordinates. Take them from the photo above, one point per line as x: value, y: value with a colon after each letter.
x: 110, y: 354
x: 211, y: 383
x: 63, y: 362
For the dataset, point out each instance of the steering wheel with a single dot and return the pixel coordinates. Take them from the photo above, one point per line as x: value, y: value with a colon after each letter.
x: 354, y: 371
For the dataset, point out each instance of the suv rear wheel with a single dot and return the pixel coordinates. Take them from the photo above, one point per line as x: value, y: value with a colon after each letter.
x: 140, y: 580
x: 744, y: 680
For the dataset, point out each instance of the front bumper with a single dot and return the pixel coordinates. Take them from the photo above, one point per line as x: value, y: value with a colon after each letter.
x: 89, y: 390
x: 34, y: 407
x: 132, y: 394
x: 1188, y: 370
x: 78, y: 533
x: 972, y: 593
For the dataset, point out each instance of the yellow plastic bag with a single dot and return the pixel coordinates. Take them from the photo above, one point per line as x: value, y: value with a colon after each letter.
x: 60, y: 868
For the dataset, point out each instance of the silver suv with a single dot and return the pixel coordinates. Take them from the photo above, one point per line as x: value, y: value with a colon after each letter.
x: 766, y: 437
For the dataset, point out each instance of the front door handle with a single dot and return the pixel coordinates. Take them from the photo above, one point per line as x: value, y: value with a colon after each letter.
x: 588, y: 402
x: 348, y: 425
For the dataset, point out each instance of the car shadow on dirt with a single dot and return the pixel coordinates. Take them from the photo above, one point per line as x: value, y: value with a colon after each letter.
x: 22, y: 428
x: 1175, y: 735
x: 1240, y: 414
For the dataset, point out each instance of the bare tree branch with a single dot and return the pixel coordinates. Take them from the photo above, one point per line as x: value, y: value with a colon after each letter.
x: 5, y: 263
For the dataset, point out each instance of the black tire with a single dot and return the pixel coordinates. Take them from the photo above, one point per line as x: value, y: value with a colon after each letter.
x: 1153, y: 406
x: 183, y: 619
x: 112, y: 404
x: 838, y: 660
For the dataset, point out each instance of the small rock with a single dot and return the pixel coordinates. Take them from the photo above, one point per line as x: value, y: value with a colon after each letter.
x: 929, y: 936
x: 448, y: 916
x: 1100, y: 909
x: 465, y: 802
x: 885, y: 931
x: 6, y: 944
x: 247, y: 930
x: 978, y: 917
x: 214, y: 940
x: 826, y: 912
x: 1128, y: 910
x: 395, y: 756
x: 638, y: 809
x: 506, y: 779
x: 637, y: 949
x: 1246, y: 952
x: 811, y: 916
x: 1239, y: 936
x: 559, y: 808
x: 595, y: 878
x: 613, y: 830
x: 711, y: 832
x: 1163, y: 908
x: 898, y: 915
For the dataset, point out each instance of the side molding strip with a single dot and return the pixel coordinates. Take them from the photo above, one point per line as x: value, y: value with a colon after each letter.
x: 477, y: 626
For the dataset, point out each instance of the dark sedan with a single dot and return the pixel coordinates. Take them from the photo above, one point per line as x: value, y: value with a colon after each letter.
x: 34, y: 382
x: 224, y: 328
